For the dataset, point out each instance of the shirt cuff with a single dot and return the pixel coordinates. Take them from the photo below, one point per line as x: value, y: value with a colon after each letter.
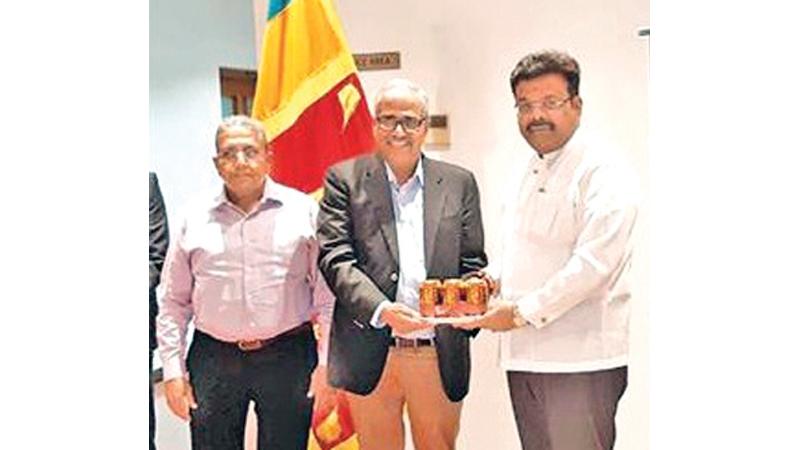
x: 530, y: 309
x: 376, y: 316
x: 173, y: 368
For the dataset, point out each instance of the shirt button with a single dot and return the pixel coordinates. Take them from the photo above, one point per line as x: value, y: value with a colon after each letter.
x: 543, y: 320
x: 541, y: 189
x: 536, y: 171
x: 393, y: 276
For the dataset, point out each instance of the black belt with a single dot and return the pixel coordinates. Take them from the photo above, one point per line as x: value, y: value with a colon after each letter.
x: 406, y: 343
x: 250, y: 345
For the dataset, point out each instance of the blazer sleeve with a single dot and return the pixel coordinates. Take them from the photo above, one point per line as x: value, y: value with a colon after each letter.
x: 159, y: 231
x: 473, y: 256
x: 354, y: 289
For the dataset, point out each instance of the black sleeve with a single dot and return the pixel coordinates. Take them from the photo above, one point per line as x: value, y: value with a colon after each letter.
x: 473, y: 256
x: 159, y: 231
x: 354, y: 289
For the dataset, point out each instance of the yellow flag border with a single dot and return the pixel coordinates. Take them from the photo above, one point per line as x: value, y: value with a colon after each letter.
x: 310, y: 90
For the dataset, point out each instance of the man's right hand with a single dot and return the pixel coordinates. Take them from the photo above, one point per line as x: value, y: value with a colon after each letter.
x: 494, y: 285
x: 180, y: 397
x: 403, y: 319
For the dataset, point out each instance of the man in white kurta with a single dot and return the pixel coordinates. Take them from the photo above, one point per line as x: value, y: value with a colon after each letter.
x: 563, y: 278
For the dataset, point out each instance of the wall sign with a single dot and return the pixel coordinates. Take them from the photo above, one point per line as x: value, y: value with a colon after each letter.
x: 377, y: 61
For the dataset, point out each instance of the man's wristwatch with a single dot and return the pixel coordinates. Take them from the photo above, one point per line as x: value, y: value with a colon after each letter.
x: 517, y: 318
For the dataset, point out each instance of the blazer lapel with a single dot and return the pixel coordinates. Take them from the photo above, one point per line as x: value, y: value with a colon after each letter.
x: 433, y: 200
x: 377, y: 187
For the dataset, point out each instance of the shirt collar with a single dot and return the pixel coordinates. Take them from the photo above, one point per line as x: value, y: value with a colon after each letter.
x: 418, y: 174
x: 549, y: 159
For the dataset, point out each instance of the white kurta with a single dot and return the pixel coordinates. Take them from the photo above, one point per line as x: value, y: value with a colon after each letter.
x: 566, y: 260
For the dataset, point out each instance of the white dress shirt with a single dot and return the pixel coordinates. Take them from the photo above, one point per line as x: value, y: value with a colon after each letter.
x: 565, y: 260
x: 409, y: 224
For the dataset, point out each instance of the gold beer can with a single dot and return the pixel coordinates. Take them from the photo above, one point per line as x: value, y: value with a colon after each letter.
x: 428, y: 297
x: 477, y: 293
x: 452, y: 292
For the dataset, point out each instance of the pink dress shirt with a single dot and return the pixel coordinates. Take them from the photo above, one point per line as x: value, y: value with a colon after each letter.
x: 242, y: 275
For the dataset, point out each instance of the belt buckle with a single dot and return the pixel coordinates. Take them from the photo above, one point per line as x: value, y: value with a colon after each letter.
x: 406, y: 343
x: 249, y: 346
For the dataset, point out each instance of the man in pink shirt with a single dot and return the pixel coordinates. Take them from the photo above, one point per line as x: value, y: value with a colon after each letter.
x: 243, y: 266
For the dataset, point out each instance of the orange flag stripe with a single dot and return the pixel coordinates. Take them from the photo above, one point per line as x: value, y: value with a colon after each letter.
x: 304, y: 56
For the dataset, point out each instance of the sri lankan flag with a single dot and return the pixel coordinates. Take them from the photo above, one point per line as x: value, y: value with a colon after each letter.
x: 312, y: 105
x: 308, y: 94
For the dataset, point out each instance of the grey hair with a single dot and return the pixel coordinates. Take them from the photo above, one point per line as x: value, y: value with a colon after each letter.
x: 401, y: 83
x: 243, y: 122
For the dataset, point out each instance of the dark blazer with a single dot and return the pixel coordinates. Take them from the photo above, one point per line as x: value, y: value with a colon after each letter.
x: 359, y: 260
x: 159, y: 239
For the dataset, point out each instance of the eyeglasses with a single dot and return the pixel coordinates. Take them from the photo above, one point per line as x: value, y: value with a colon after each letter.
x: 230, y: 155
x: 548, y: 104
x: 409, y: 123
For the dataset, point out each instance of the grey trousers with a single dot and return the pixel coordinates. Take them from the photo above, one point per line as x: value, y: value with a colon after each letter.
x: 567, y: 411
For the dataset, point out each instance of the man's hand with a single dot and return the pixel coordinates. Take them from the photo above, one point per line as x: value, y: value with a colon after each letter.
x: 180, y: 397
x: 494, y: 285
x: 403, y: 319
x: 324, y: 395
x: 499, y: 317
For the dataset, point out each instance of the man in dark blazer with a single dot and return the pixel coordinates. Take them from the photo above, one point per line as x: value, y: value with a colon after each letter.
x: 388, y: 221
x: 159, y: 239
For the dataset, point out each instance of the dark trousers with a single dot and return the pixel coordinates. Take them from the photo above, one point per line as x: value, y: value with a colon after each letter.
x: 276, y: 378
x: 152, y: 411
x: 567, y: 411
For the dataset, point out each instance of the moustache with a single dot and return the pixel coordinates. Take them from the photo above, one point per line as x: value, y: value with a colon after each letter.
x: 398, y: 141
x: 539, y: 126
x: 242, y: 172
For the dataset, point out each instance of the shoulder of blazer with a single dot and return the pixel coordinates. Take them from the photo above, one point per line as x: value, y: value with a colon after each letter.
x: 449, y: 170
x: 355, y: 167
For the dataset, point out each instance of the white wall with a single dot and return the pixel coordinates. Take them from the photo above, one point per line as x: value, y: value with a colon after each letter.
x: 189, y: 41
x: 463, y: 53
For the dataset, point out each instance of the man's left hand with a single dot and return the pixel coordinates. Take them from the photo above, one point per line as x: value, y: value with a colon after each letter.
x: 323, y: 393
x: 499, y: 317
